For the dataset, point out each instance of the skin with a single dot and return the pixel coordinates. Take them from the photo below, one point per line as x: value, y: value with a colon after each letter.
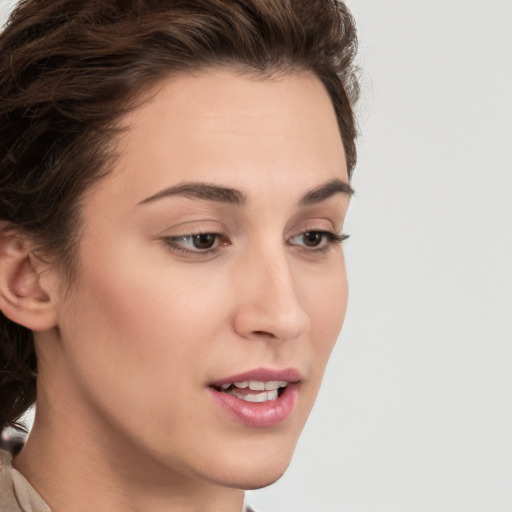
x: 145, y: 327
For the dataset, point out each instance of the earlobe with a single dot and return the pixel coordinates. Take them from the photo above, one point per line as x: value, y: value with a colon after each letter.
x: 22, y: 296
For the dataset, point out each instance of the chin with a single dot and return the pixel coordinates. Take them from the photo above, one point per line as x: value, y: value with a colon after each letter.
x: 254, y: 479
x: 250, y: 486
x: 252, y: 472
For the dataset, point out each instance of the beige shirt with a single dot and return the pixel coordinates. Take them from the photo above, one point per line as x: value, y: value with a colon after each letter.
x: 17, y: 495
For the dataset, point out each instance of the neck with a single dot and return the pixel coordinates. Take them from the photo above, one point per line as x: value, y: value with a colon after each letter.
x: 65, y: 460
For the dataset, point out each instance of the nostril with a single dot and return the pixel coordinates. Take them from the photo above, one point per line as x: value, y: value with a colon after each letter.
x: 264, y: 333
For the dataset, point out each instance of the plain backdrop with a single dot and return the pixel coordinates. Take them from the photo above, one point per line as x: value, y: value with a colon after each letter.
x: 415, y: 414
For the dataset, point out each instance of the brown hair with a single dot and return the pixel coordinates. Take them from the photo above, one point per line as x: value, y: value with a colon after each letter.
x: 68, y: 69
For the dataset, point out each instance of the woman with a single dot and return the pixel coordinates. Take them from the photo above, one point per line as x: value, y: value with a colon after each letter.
x: 175, y: 176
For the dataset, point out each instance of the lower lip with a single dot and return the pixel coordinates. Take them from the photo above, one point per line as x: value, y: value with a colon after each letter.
x: 259, y: 414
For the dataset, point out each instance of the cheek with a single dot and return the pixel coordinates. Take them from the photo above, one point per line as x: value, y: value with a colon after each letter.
x: 136, y: 328
x: 140, y: 317
x: 327, y: 308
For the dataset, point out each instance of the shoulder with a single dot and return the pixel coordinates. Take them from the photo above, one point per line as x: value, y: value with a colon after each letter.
x: 16, y: 494
x: 8, y: 502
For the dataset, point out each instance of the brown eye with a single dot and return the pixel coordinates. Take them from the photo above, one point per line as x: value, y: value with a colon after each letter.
x: 204, y: 241
x: 313, y: 238
x: 197, y: 244
x: 317, y: 241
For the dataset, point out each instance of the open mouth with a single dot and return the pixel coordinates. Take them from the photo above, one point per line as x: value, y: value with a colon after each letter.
x: 258, y: 398
x: 255, y: 391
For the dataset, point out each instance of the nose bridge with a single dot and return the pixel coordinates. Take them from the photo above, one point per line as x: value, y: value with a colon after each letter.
x: 268, y: 303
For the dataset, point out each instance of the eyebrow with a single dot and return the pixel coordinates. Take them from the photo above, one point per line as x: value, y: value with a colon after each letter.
x: 202, y: 191
x: 325, y: 191
x: 209, y: 192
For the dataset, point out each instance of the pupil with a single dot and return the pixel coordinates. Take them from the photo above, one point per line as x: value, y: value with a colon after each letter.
x: 312, y: 238
x: 204, y: 241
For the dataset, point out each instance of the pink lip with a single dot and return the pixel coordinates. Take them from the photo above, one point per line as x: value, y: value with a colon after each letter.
x: 262, y: 374
x: 259, y: 414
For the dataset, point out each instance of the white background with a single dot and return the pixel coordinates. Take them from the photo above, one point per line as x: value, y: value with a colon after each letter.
x: 416, y: 410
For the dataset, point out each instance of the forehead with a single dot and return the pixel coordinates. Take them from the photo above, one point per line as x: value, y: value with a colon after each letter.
x: 230, y: 128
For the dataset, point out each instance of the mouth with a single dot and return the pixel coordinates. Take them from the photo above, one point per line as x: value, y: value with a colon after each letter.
x: 255, y: 391
x: 261, y: 398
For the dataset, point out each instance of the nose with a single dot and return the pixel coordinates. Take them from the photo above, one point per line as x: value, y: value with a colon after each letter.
x: 267, y: 304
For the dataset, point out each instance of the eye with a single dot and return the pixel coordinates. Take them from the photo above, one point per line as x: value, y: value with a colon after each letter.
x: 317, y: 240
x: 313, y: 238
x: 196, y: 243
x: 203, y: 240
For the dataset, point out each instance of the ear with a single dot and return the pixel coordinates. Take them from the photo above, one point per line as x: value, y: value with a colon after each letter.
x: 23, y: 298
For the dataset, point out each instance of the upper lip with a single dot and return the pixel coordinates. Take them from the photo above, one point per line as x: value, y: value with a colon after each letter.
x: 263, y: 375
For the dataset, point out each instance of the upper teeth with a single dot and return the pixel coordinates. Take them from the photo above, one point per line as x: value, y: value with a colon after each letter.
x: 257, y: 385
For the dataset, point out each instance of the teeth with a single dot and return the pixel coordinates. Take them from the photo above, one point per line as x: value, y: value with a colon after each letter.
x: 256, y: 385
x: 254, y: 397
x: 272, y: 395
x: 275, y: 384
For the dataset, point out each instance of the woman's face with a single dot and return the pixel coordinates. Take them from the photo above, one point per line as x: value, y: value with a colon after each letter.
x: 209, y: 255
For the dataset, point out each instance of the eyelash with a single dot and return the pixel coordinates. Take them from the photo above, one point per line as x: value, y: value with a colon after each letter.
x: 331, y: 239
x: 173, y: 242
